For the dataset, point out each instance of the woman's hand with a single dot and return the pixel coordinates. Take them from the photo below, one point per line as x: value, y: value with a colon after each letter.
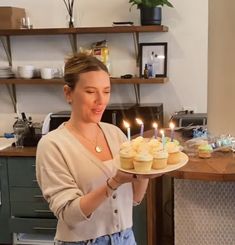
x: 123, y: 177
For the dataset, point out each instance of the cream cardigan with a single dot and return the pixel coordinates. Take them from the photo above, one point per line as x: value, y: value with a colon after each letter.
x: 66, y: 170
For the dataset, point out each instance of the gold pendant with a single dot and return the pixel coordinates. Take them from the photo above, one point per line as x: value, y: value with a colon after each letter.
x: 98, y: 149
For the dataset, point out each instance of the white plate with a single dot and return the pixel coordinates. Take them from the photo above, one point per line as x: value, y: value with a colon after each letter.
x: 169, y: 168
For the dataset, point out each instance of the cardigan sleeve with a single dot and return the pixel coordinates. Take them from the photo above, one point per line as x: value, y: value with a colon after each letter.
x: 57, y: 184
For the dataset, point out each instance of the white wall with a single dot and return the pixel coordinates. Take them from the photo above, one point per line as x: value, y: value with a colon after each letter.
x: 221, y: 72
x: 187, y: 54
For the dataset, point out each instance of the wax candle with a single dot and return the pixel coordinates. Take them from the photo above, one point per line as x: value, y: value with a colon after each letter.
x: 155, y: 130
x: 127, y: 126
x: 140, y: 122
x: 163, y: 137
x: 172, y: 126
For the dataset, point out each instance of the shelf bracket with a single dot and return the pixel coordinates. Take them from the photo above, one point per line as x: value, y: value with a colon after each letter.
x: 137, y: 93
x: 6, y: 43
x: 12, y: 92
x: 73, y: 42
x: 136, y: 45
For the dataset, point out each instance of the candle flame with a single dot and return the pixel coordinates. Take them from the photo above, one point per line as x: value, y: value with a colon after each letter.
x: 172, y: 125
x: 162, y: 132
x: 139, y: 121
x: 155, y: 125
x: 126, y: 124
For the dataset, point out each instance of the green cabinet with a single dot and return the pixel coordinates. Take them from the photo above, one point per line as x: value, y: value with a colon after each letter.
x: 30, y: 213
x: 5, y: 235
x: 140, y: 223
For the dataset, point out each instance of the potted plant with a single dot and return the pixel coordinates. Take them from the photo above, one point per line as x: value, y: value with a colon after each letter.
x: 150, y: 10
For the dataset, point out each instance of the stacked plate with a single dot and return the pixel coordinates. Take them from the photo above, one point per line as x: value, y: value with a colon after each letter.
x: 6, y: 72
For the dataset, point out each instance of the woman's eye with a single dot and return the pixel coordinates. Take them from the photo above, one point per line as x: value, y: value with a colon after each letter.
x: 90, y: 92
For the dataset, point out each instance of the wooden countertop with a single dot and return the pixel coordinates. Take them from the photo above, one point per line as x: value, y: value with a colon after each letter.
x: 18, y: 152
x: 220, y: 167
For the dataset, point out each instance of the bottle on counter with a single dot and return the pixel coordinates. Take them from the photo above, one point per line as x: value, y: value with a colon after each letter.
x: 146, y: 71
x: 150, y: 64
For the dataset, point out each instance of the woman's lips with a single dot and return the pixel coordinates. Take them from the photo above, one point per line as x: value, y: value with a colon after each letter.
x: 97, y: 111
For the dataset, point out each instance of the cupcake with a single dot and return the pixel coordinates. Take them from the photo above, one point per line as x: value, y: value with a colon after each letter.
x: 174, y: 153
x: 160, y: 159
x: 126, y: 158
x: 205, y: 150
x: 143, y: 161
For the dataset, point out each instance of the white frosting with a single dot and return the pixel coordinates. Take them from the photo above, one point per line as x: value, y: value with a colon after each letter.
x: 127, y: 153
x: 160, y: 154
x: 171, y: 147
x: 143, y: 156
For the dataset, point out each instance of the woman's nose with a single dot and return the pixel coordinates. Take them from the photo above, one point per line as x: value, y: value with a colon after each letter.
x: 100, y: 98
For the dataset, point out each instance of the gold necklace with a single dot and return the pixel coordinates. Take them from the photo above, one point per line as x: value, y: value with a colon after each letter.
x: 98, y: 148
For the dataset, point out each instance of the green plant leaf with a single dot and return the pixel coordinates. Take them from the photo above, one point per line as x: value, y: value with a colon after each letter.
x: 151, y: 3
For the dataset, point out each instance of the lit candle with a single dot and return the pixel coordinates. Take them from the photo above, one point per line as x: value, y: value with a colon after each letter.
x: 141, y: 127
x: 155, y: 130
x: 163, y: 137
x: 127, y: 126
x: 172, y: 126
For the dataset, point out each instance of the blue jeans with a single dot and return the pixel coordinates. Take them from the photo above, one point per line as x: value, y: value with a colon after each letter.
x: 125, y: 237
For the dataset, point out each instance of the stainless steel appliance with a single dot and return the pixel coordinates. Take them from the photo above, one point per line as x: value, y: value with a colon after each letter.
x: 116, y: 113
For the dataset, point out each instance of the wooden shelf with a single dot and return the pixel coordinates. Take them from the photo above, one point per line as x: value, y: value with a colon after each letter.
x: 83, y: 30
x: 17, y: 81
x: 138, y: 80
x: 35, y: 81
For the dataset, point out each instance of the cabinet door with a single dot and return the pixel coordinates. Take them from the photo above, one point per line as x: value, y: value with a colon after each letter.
x: 5, y: 235
x: 140, y: 223
x: 22, y: 171
x: 33, y: 226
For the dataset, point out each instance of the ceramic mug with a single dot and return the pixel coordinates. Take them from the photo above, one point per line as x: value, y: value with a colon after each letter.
x: 26, y: 71
x: 47, y: 73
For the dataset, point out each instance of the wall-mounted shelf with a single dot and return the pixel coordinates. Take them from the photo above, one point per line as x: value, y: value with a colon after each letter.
x: 5, y: 38
x: 39, y: 81
x: 83, y: 30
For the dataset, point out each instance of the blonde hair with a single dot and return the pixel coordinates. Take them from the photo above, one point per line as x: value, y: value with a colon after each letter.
x: 80, y: 63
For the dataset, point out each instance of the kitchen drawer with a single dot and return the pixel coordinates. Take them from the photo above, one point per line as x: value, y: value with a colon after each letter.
x: 22, y: 171
x: 20, y: 194
x: 32, y: 226
x: 29, y: 209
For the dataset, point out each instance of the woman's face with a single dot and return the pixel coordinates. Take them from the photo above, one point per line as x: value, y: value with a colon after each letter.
x: 90, y: 96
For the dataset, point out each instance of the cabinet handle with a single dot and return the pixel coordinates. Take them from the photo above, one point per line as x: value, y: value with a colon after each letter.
x: 42, y: 211
x: 38, y: 196
x: 34, y: 180
x: 44, y: 228
x: 33, y: 165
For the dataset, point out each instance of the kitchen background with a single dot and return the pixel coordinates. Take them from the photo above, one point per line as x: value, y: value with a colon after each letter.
x: 187, y: 55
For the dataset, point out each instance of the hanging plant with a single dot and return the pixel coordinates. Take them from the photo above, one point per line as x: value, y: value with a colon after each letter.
x: 69, y: 6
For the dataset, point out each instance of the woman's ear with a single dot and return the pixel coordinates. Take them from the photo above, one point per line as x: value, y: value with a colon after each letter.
x: 67, y: 93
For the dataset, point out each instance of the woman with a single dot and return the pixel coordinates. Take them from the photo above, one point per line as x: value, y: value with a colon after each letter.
x: 76, y: 168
